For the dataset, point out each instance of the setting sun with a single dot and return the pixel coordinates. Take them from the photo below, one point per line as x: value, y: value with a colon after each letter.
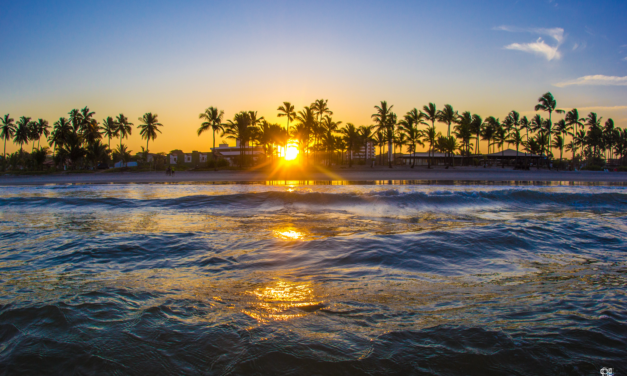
x: 292, y: 153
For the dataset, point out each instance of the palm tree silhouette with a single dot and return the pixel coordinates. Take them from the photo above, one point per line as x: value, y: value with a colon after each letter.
x: 463, y: 131
x: 489, y: 130
x: 22, y: 132
x: 573, y: 120
x: 431, y: 114
x: 41, y: 129
x: 149, y: 128
x: 7, y: 130
x: 76, y: 119
x: 548, y: 104
x: 351, y: 137
x: 124, y: 127
x: 212, y: 120
x: 60, y: 133
x: 287, y: 110
x: 476, y: 127
x: 384, y: 120
x: 239, y: 129
x: 109, y: 128
x: 447, y: 115
x: 608, y: 134
x: 431, y: 136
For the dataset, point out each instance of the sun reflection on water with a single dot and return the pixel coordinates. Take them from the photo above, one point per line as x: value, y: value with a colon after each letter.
x: 288, y: 234
x: 282, y: 300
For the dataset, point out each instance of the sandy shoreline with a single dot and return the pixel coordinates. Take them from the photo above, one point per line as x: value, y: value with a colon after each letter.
x: 401, y: 173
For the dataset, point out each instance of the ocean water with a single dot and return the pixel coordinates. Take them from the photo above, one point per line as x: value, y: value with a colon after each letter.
x: 298, y: 279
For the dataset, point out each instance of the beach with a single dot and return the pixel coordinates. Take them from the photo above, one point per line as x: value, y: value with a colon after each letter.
x: 355, y: 174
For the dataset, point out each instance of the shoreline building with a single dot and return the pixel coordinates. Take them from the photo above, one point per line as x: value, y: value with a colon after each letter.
x: 229, y: 153
x: 365, y: 152
x: 232, y: 153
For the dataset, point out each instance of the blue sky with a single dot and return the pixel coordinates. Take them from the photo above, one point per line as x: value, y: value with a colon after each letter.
x: 177, y: 58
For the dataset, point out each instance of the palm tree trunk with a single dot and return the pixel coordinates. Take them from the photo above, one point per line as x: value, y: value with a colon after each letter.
x: 213, y: 152
x: 390, y: 152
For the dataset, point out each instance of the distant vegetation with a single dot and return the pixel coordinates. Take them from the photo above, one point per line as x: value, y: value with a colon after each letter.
x: 80, y: 141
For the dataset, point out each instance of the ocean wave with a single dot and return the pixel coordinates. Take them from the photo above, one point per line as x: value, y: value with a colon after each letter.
x: 393, y: 197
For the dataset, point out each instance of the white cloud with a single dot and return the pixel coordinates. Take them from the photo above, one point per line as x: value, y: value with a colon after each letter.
x: 538, y: 48
x: 598, y: 79
x: 556, y: 33
x: 625, y: 58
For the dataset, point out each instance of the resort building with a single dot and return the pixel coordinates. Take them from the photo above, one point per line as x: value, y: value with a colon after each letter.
x: 508, y: 155
x: 195, y: 158
x: 365, y: 152
x: 232, y: 153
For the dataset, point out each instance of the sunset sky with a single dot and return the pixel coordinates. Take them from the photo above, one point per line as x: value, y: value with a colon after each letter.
x: 175, y: 58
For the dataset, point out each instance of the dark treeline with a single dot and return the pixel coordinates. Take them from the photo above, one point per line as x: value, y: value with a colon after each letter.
x: 80, y: 141
x: 76, y: 142
x: 321, y: 139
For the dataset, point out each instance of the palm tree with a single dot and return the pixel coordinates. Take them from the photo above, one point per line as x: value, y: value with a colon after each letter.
x: 558, y: 142
x: 22, y: 132
x: 608, y: 133
x: 462, y: 130
x: 448, y: 145
x: 573, y: 120
x: 7, y: 130
x: 32, y: 134
x: 76, y: 119
x: 62, y: 128
x: 97, y: 152
x: 431, y: 114
x: 476, y: 128
x: 500, y: 137
x: 383, y: 119
x: 212, y: 120
x: 595, y: 134
x: 379, y: 140
x: 124, y: 127
x: 239, y: 129
x: 91, y: 132
x: 123, y: 154
x: 489, y: 130
x: 307, y: 119
x: 109, y: 128
x: 524, y: 124
x: 447, y: 115
x: 536, y: 126
x: 414, y: 138
x: 431, y: 136
x: 41, y: 129
x: 287, y: 111
x: 351, y: 137
x: 86, y: 117
x: 561, y: 129
x: 149, y: 128
x: 548, y: 104
x: 72, y: 149
x: 515, y: 138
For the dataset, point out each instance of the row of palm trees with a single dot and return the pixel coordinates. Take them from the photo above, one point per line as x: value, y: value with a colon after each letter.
x: 78, y: 137
x: 319, y: 136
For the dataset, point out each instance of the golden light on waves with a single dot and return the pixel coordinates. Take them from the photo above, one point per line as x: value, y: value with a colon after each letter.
x: 288, y: 234
x: 282, y: 300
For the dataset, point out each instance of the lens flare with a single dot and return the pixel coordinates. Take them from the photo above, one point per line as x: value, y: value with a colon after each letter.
x: 292, y: 153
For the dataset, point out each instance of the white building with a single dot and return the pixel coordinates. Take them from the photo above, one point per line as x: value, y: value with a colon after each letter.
x: 365, y: 152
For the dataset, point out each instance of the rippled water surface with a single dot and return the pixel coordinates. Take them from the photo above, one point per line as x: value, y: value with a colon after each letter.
x: 320, y: 279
